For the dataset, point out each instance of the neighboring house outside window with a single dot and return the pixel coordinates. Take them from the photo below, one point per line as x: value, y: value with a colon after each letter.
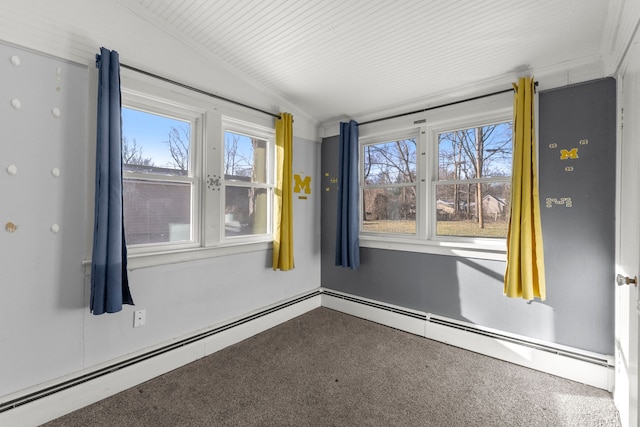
x: 198, y: 176
x: 248, y: 180
x: 440, y: 184
x: 474, y: 164
x: 159, y: 182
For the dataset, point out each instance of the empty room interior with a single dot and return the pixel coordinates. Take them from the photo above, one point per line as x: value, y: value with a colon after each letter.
x: 463, y: 171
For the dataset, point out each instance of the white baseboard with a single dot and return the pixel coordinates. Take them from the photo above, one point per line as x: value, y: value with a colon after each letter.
x: 38, y: 405
x: 33, y: 411
x: 385, y: 314
x: 588, y: 368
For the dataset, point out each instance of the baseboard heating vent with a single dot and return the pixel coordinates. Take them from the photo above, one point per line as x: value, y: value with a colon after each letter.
x: 451, y: 323
x: 23, y: 400
x: 373, y: 304
x: 520, y: 341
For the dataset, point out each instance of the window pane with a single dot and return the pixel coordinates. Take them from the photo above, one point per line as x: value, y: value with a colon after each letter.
x: 245, y: 211
x: 480, y: 152
x: 390, y: 162
x: 456, y: 213
x: 389, y: 210
x: 245, y: 158
x: 156, y: 212
x: 155, y: 144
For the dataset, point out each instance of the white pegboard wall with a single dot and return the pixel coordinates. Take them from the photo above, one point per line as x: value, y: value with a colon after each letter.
x: 43, y: 184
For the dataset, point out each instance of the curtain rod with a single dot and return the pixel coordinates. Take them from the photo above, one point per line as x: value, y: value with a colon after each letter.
x: 500, y: 92
x: 195, y: 89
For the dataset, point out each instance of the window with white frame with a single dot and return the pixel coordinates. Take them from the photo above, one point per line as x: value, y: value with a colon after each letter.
x: 473, y: 189
x: 440, y: 185
x: 198, y: 176
x: 160, y: 177
x: 389, y: 186
x: 248, y: 180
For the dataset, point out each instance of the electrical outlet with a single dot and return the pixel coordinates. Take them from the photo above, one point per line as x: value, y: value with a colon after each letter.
x: 139, y: 318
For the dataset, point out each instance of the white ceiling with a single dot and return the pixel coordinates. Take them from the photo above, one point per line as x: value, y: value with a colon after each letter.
x: 350, y: 58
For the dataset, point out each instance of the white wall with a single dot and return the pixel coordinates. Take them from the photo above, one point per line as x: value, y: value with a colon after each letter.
x: 41, y: 278
x: 46, y: 330
x: 626, y: 390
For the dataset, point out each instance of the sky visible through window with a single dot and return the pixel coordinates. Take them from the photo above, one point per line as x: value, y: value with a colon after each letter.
x: 458, y: 150
x: 151, y: 133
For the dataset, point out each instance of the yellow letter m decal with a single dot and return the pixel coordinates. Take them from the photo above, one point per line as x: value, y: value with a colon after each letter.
x: 302, y: 184
x: 569, y: 154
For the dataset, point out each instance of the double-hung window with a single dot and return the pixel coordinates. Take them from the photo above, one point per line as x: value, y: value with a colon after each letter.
x: 473, y: 187
x: 389, y: 187
x: 439, y: 183
x: 198, y: 176
x: 248, y: 180
x: 160, y: 174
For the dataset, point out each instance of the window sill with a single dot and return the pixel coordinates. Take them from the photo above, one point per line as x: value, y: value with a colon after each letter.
x: 137, y: 261
x: 479, y: 250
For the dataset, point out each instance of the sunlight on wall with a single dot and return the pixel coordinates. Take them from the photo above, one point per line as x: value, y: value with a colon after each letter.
x: 534, y: 319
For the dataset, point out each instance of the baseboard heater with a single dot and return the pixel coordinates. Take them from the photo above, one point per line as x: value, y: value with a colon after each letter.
x: 550, y: 349
x: 396, y: 310
x: 450, y: 323
x: 31, y: 397
x: 599, y: 361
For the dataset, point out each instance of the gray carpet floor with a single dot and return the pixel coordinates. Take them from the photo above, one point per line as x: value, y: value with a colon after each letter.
x: 326, y: 368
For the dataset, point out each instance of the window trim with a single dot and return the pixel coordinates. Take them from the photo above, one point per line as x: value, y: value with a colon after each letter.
x: 167, y: 108
x: 147, y: 94
x: 381, y: 139
x: 233, y: 125
x: 465, y: 115
x: 433, y: 131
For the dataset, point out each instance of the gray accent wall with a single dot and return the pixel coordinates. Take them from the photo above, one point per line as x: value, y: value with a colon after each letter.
x: 578, y: 312
x: 577, y: 201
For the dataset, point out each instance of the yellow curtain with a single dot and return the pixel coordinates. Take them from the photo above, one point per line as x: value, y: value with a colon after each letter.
x: 524, y: 277
x: 283, y: 207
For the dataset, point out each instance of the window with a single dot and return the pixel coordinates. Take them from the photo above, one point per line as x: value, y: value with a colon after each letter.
x: 441, y: 183
x: 473, y: 188
x: 160, y: 184
x: 248, y: 181
x: 198, y: 176
x: 389, y: 187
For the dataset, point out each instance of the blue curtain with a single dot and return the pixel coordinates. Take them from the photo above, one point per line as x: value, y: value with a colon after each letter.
x: 347, y: 233
x: 109, y: 281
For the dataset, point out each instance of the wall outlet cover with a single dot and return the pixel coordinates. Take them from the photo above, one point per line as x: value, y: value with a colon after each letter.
x: 139, y: 318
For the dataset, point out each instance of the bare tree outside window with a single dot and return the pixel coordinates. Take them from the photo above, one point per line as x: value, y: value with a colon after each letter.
x: 132, y: 154
x: 238, y: 158
x: 157, y: 198
x: 474, y: 168
x: 389, y: 191
x: 179, y: 141
x: 246, y: 184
